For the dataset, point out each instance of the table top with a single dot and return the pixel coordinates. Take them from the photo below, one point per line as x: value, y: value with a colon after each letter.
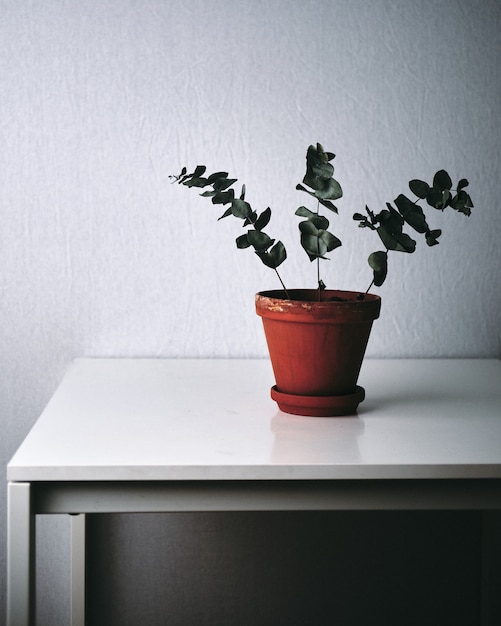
x: 177, y: 419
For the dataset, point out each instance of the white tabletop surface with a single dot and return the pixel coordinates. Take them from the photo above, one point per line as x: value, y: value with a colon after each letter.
x: 162, y: 419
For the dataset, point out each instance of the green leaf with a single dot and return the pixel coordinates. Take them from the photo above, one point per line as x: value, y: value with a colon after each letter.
x: 240, y: 208
x: 278, y: 254
x: 432, y: 237
x: 317, y: 166
x: 328, y: 205
x: 462, y: 202
x: 364, y: 222
x: 419, y: 188
x: 223, y: 197
x: 243, y: 242
x: 319, y: 174
x: 330, y: 190
x: 199, y: 170
x: 314, y: 247
x: 223, y: 183
x: 259, y: 240
x: 467, y: 206
x: 331, y: 241
x: 435, y: 198
x: 391, y: 219
x: 400, y: 242
x: 387, y: 238
x: 378, y: 261
x: 406, y: 243
x: 442, y: 180
x: 250, y: 219
x: 179, y: 178
x: 315, y: 241
x: 308, y: 228
x: 320, y: 221
x: 196, y: 182
x: 439, y: 199
x: 323, y: 170
x: 216, y: 176
x: 300, y: 187
x: 263, y: 219
x: 310, y: 239
x: 274, y: 257
x: 225, y: 214
x: 412, y: 213
x: 195, y: 178
x: 302, y: 211
x: 314, y: 224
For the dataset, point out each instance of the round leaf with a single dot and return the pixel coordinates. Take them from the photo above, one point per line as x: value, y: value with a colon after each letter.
x: 259, y: 240
x: 274, y: 257
x: 240, y: 208
x: 242, y: 242
x: 330, y: 190
x: 277, y: 254
x: 435, y: 198
x: 379, y: 263
x: 308, y: 228
x: 442, y: 180
x: 419, y: 188
x: 313, y: 246
x: 330, y: 240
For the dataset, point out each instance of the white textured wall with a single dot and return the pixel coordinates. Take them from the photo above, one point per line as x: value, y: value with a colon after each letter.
x: 101, y: 101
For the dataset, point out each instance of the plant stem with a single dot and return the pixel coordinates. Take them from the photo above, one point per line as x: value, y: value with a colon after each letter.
x: 369, y: 288
x: 318, y: 279
x: 318, y: 259
x: 282, y: 283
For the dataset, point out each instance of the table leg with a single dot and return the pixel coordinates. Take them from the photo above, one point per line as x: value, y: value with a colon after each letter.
x: 78, y: 570
x: 20, y: 556
x: 491, y: 569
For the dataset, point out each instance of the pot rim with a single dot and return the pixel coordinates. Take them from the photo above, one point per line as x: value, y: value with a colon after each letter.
x: 328, y: 296
x: 337, y: 306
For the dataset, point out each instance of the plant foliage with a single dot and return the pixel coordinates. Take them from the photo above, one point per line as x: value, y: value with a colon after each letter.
x: 320, y: 183
x: 390, y: 222
x: 271, y: 252
x: 315, y: 237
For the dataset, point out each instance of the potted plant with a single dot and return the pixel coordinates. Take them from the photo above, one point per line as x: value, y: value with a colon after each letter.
x: 317, y: 337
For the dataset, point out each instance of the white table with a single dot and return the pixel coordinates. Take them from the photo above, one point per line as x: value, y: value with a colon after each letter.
x: 153, y: 435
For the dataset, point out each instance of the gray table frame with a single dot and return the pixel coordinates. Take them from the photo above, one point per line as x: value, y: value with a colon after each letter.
x: 26, y: 500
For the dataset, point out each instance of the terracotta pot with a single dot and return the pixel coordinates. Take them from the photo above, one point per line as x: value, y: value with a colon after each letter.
x: 317, y: 347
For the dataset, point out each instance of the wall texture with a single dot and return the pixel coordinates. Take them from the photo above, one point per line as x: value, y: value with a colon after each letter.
x: 101, y: 256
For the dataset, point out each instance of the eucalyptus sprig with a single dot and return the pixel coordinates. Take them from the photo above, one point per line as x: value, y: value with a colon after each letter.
x: 271, y: 252
x: 389, y: 223
x: 315, y: 238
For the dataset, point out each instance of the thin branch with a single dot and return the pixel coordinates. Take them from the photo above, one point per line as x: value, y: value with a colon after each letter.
x: 282, y: 283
